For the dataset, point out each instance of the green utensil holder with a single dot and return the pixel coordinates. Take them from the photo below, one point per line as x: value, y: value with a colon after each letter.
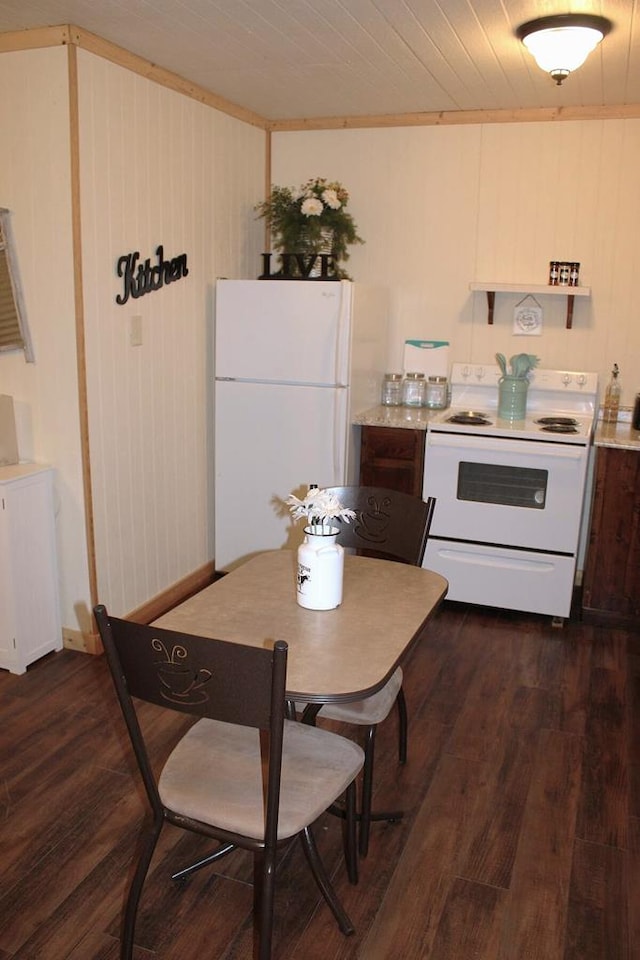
x: 512, y: 398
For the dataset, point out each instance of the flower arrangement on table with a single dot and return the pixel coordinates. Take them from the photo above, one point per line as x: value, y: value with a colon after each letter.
x: 311, y: 218
x: 319, y: 508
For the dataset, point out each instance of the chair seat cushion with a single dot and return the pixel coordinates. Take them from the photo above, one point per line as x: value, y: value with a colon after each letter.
x: 213, y: 775
x: 370, y: 711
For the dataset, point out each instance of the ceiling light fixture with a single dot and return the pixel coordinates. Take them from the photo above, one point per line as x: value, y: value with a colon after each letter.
x: 562, y: 43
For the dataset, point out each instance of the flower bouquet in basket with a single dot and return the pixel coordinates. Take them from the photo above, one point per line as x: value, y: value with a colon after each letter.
x: 310, y: 220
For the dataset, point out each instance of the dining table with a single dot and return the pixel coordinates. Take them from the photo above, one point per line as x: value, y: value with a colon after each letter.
x: 338, y: 655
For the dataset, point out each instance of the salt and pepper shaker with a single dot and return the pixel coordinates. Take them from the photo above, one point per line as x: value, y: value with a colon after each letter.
x: 565, y: 273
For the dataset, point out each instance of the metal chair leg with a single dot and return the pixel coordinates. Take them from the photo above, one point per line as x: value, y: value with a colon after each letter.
x: 135, y: 890
x: 351, y: 852
x: 264, y: 884
x: 217, y: 854
x: 290, y: 710
x: 403, y: 726
x: 324, y: 883
x: 367, y: 790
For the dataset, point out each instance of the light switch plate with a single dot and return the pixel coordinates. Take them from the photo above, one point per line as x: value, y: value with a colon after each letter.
x: 135, y: 331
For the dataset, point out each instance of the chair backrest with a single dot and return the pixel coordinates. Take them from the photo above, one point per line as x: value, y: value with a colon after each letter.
x: 387, y: 522
x: 224, y: 681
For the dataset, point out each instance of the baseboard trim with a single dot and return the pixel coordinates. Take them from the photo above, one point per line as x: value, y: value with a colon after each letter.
x: 173, y: 595
x: 83, y: 642
x: 147, y: 612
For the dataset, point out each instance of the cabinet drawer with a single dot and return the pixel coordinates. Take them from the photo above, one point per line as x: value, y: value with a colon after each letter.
x: 392, y: 443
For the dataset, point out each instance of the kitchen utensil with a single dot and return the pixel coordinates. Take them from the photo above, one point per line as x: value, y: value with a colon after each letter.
x: 522, y: 363
x: 502, y: 363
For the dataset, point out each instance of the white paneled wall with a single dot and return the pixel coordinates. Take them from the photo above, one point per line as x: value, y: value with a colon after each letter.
x: 35, y: 184
x: 418, y: 241
x: 437, y: 206
x: 156, y: 168
x: 442, y: 206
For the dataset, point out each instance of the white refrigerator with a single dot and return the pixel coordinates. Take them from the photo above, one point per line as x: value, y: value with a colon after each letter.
x: 293, y: 361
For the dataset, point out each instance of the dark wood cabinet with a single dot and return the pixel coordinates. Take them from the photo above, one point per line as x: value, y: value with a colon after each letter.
x: 611, y: 586
x: 392, y: 457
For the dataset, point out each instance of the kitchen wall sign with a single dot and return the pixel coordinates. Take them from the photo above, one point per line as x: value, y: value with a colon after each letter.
x: 527, y: 317
x: 142, y: 278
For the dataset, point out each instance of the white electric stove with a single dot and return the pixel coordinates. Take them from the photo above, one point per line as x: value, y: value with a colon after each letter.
x: 510, y: 495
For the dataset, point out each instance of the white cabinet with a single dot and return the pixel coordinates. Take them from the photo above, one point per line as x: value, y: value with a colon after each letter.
x: 29, y: 607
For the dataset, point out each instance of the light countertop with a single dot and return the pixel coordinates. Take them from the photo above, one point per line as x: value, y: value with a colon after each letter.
x: 407, y: 418
x: 17, y: 471
x: 620, y: 435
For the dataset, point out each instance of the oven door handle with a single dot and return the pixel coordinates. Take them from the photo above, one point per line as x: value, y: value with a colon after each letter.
x: 504, y: 445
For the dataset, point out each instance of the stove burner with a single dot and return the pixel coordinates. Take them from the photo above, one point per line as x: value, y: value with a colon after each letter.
x: 556, y: 427
x: 560, y: 421
x: 470, y: 417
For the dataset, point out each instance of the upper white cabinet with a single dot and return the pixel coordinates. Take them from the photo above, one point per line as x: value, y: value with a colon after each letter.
x: 29, y: 607
x: 536, y: 289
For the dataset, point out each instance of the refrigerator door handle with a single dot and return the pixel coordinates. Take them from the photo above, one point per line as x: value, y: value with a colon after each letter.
x: 342, y: 338
x: 339, y: 450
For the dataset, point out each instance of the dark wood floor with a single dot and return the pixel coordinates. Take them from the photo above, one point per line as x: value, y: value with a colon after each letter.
x: 521, y: 838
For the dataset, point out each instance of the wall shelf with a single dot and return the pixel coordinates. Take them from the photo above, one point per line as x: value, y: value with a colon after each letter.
x: 536, y: 289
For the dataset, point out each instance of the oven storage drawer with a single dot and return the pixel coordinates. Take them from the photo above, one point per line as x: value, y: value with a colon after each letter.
x: 506, y: 492
x: 510, y: 579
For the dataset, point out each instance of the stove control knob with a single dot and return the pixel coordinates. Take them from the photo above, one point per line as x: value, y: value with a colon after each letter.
x: 480, y: 373
x: 581, y: 379
x: 566, y: 379
x: 465, y: 372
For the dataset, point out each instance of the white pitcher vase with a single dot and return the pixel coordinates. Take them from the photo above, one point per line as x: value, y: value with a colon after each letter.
x: 320, y: 569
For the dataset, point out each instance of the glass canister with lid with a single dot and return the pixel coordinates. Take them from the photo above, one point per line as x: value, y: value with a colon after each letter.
x: 437, y: 393
x: 391, y: 395
x: 414, y: 390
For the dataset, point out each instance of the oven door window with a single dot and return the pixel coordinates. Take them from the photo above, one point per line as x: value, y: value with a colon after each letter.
x: 513, y: 486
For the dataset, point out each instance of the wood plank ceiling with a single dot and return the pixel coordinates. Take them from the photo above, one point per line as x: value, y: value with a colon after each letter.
x: 295, y: 59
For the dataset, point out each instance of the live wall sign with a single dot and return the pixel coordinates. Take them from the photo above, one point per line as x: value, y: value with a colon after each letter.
x: 140, y: 278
